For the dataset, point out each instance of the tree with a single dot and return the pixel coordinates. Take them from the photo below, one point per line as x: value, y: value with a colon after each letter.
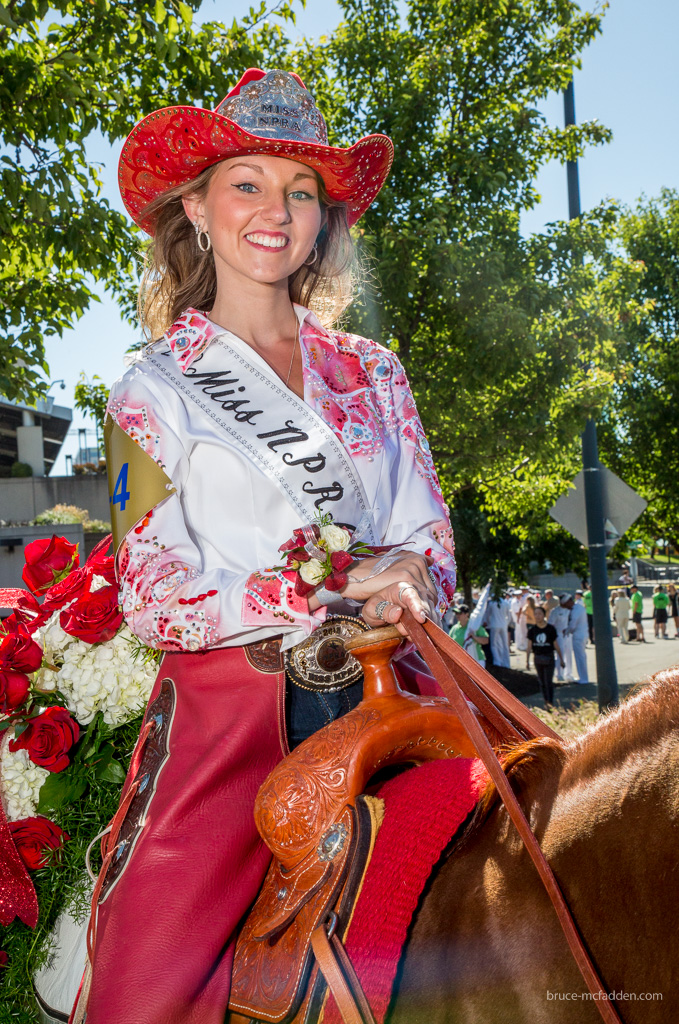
x: 640, y: 430
x: 509, y: 343
x: 91, y: 397
x: 494, y: 329
x: 67, y: 69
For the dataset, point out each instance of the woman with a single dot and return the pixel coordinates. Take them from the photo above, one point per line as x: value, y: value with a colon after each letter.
x: 543, y: 642
x: 243, y: 424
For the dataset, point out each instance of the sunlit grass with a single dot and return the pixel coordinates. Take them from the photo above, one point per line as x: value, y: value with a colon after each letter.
x: 572, y: 720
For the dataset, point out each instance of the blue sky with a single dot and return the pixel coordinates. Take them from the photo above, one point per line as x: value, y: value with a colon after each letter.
x: 629, y: 81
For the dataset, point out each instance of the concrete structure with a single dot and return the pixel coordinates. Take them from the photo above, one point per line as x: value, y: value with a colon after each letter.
x: 32, y: 434
x: 22, y: 499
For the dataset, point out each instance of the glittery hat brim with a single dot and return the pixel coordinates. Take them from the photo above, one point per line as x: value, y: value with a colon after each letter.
x: 173, y: 145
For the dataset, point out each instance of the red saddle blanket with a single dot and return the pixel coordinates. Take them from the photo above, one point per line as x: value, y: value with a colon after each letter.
x: 424, y: 807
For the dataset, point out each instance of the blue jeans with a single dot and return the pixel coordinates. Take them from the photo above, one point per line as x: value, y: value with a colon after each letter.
x: 307, y: 711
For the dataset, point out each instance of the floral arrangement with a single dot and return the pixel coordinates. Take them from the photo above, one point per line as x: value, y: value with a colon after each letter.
x: 321, y: 553
x: 71, y: 673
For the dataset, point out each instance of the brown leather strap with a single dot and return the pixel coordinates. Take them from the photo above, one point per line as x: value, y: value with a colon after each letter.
x: 431, y: 642
x: 338, y: 971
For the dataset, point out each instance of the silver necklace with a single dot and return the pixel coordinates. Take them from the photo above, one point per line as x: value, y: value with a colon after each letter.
x: 292, y: 357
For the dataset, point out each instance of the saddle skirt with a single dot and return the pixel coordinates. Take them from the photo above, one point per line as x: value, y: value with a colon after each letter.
x: 392, y: 841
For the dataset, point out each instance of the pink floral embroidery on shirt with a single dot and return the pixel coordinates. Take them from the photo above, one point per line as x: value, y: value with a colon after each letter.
x: 269, y: 596
x: 189, y: 336
x: 141, y: 425
x: 361, y: 390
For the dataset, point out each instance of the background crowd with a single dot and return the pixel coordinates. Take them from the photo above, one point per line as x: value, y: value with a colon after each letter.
x: 554, y: 630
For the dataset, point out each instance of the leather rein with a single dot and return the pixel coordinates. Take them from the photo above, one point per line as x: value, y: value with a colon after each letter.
x: 461, y: 678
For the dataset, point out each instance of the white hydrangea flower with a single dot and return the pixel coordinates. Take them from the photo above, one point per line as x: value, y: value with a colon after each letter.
x: 335, y: 538
x: 107, y: 678
x: 97, y: 582
x: 52, y: 638
x: 20, y: 781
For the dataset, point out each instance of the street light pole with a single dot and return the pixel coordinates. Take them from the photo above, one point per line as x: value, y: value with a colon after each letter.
x: 606, y: 673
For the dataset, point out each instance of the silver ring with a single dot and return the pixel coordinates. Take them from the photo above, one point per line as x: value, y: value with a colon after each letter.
x: 380, y: 608
x: 406, y: 586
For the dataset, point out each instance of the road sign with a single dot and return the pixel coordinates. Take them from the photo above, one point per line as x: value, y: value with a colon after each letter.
x: 622, y: 507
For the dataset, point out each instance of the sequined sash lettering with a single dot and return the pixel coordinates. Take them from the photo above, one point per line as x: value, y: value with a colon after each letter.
x: 278, y: 432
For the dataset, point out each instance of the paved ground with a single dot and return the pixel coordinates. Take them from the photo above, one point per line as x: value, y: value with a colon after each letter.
x: 634, y: 662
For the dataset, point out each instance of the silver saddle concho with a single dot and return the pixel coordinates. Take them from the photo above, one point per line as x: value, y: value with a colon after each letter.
x: 321, y: 662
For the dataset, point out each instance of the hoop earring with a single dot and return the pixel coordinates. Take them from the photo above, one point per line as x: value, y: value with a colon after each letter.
x: 307, y: 261
x: 203, y: 239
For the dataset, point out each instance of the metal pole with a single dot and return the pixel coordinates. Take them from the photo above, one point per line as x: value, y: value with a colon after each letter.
x: 571, y: 165
x: 606, y: 673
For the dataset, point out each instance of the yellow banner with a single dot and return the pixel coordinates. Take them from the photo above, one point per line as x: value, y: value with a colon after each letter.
x: 136, y: 483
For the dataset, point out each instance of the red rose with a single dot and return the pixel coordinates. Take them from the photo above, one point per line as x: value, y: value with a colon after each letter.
x: 35, y: 838
x: 3, y: 958
x: 94, y: 617
x: 65, y: 591
x: 48, y: 561
x: 13, y: 689
x: 20, y: 652
x: 100, y: 563
x: 47, y: 739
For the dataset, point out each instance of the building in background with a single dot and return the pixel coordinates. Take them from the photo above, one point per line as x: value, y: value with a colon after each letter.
x: 32, y: 434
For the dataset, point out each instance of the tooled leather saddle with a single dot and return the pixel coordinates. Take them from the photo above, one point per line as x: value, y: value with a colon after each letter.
x: 320, y: 825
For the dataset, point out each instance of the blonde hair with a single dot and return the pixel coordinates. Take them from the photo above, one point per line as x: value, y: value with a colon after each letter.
x: 178, y: 275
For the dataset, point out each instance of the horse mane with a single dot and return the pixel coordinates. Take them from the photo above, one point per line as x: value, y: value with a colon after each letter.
x: 643, y: 720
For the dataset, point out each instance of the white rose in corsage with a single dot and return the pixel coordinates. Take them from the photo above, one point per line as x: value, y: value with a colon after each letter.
x: 335, y: 538
x: 321, y: 553
x: 312, y: 572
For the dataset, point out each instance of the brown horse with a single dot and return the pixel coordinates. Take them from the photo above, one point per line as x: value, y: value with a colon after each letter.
x: 485, y: 946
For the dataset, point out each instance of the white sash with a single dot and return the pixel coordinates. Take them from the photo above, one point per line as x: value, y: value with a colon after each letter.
x: 279, y: 433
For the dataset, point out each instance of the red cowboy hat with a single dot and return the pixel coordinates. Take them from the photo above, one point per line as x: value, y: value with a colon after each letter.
x: 267, y: 112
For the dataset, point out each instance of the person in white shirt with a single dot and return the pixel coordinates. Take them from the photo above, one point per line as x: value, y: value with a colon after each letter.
x: 519, y: 613
x: 497, y: 620
x: 578, y: 629
x: 621, y: 608
x: 558, y: 617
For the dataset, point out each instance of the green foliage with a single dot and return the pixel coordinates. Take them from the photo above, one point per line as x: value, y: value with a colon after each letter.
x: 20, y: 469
x: 91, y: 398
x: 509, y: 343
x: 640, y: 430
x: 60, y: 514
x: 69, y: 69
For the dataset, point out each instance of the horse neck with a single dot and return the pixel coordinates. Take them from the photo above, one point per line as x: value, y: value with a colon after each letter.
x: 609, y: 827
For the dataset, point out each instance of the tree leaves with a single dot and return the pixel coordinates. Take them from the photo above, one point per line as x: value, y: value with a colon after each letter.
x: 639, y: 435
x: 509, y: 343
x: 66, y: 70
